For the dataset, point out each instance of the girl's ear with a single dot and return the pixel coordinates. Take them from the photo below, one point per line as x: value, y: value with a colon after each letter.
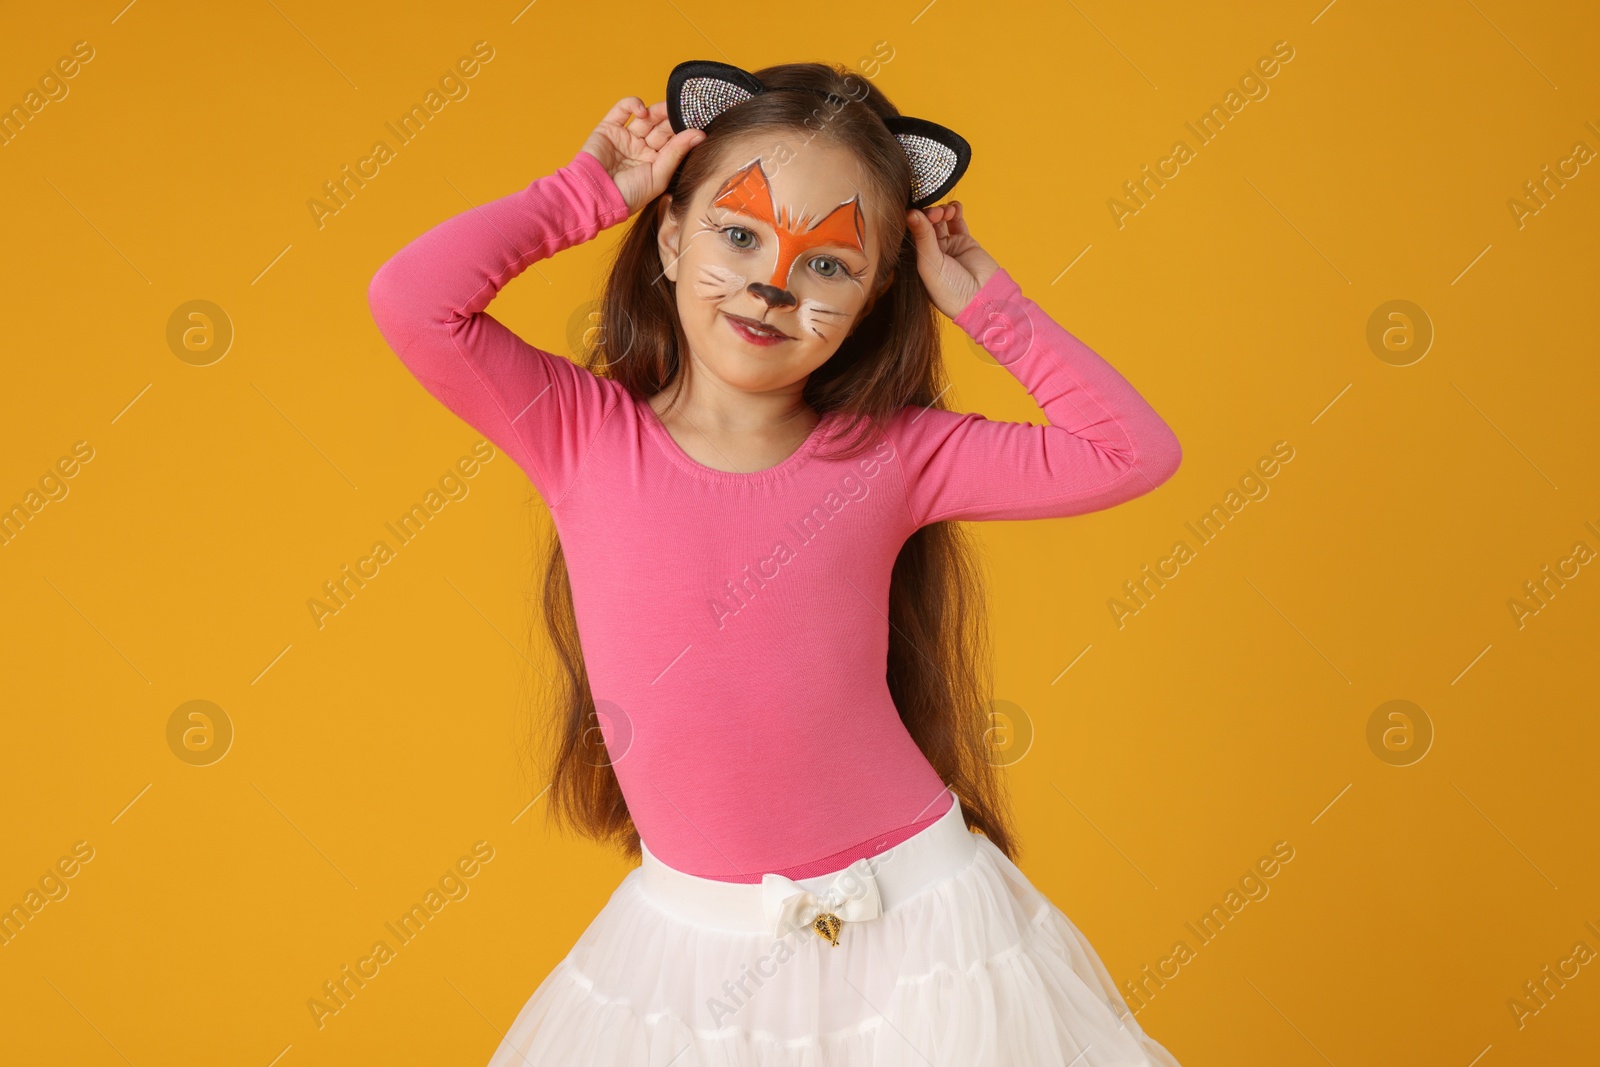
x: 667, y: 230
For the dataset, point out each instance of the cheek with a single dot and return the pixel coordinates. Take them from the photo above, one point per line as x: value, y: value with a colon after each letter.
x: 715, y: 282
x: 826, y: 318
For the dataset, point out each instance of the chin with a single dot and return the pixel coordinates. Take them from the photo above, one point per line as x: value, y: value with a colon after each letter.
x: 741, y: 366
x: 748, y: 372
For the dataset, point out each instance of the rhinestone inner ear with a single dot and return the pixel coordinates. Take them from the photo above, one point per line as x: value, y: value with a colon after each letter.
x: 703, y: 99
x: 931, y: 163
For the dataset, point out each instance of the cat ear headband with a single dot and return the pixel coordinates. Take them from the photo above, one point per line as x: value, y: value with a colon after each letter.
x: 701, y: 89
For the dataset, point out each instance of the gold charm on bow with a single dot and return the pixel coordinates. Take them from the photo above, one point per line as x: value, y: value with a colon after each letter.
x: 850, y: 896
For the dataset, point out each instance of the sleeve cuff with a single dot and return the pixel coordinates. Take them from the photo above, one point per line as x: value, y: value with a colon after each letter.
x: 995, y: 295
x: 612, y: 208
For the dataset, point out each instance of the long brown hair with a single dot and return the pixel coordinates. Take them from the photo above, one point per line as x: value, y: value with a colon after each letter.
x: 939, y: 657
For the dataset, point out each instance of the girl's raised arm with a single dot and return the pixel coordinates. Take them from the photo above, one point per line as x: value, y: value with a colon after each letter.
x: 428, y: 300
x: 1104, y: 443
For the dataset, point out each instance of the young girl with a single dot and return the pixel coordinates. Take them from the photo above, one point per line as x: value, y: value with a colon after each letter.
x: 760, y: 590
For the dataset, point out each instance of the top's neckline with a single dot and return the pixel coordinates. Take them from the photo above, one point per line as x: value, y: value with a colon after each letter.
x: 675, y: 452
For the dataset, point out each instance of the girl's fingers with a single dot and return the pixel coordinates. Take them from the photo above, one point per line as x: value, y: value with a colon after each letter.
x: 673, y: 151
x: 654, y: 126
x: 629, y: 107
x: 959, y: 223
x: 926, y: 241
x: 659, y: 134
x: 943, y: 216
x: 950, y: 221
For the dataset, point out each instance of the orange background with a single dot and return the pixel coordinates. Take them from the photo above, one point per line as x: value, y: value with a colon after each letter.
x: 1230, y: 713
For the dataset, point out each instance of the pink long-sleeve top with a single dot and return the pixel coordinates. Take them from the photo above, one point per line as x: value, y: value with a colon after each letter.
x: 735, y: 625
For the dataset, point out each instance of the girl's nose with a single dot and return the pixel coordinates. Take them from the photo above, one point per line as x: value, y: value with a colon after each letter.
x: 774, y: 297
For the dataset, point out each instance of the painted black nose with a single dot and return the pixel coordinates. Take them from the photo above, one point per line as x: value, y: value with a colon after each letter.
x: 775, y: 297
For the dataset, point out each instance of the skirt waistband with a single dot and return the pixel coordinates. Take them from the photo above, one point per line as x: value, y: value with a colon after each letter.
x: 891, y: 877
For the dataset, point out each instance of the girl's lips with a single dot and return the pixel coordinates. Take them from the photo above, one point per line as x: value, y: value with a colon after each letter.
x: 741, y: 326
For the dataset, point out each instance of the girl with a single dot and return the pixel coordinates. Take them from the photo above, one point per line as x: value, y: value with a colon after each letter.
x: 758, y: 587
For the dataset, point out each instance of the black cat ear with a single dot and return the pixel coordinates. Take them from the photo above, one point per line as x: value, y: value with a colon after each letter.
x: 698, y: 90
x: 939, y: 156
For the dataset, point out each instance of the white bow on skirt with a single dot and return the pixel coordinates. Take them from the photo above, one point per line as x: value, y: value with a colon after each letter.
x: 851, y: 896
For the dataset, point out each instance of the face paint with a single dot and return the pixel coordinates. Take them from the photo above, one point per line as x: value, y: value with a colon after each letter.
x: 717, y: 283
x: 749, y: 192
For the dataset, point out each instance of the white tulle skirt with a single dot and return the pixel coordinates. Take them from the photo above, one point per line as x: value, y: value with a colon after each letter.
x: 964, y: 964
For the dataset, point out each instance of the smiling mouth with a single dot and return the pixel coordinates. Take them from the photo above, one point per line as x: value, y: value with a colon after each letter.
x: 757, y: 327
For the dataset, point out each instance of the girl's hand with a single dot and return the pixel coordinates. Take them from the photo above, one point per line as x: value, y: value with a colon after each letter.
x: 637, y: 147
x: 951, y: 264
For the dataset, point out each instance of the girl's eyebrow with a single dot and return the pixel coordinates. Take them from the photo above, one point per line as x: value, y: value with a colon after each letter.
x: 840, y: 229
x: 736, y: 213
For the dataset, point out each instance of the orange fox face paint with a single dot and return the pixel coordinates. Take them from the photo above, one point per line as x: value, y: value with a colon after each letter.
x: 749, y: 192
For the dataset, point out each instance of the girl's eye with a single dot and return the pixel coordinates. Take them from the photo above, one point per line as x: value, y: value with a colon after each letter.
x: 734, y: 235
x: 827, y: 266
